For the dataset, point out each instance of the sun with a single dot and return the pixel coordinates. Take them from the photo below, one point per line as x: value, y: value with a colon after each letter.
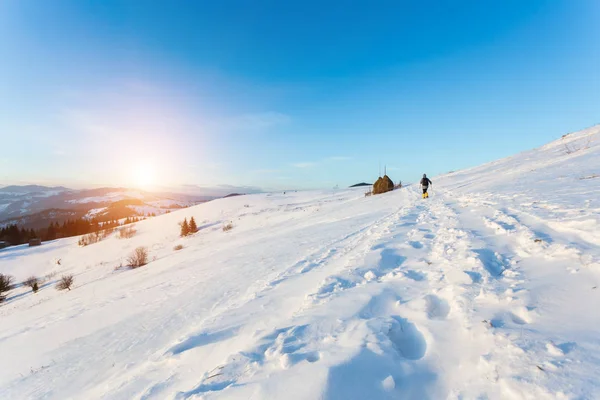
x: 143, y: 175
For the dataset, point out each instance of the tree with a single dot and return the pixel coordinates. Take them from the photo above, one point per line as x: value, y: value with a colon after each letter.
x: 51, y: 232
x: 185, y: 228
x: 193, y: 226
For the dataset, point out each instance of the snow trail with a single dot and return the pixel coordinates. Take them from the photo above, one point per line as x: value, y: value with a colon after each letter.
x: 488, y: 289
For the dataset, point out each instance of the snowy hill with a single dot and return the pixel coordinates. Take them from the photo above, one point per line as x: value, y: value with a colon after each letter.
x: 488, y: 289
x: 36, y: 206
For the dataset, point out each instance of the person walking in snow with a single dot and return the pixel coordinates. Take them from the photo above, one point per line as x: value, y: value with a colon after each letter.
x: 425, y: 182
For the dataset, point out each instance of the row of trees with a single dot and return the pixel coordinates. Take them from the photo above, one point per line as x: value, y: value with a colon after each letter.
x: 188, y: 228
x: 14, y: 235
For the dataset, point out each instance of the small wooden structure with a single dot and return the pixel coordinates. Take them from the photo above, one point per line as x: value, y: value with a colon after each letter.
x: 35, y: 242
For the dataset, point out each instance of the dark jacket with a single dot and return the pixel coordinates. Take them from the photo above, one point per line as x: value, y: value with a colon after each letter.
x: 426, y: 182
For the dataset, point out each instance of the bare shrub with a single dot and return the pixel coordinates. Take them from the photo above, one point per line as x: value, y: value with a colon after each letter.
x: 33, y: 283
x: 5, y: 285
x: 94, y: 237
x: 65, y: 282
x: 88, y: 239
x: 227, y: 227
x: 127, y: 232
x: 178, y: 247
x: 138, y: 258
x: 574, y: 147
x: 367, y: 194
x: 49, y: 276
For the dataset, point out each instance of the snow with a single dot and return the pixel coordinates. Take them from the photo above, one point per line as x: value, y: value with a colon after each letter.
x: 168, y: 203
x: 488, y: 289
x: 108, y: 197
x: 148, y: 209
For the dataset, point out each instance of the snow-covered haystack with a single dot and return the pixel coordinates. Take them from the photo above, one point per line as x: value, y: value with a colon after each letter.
x: 488, y: 289
x: 383, y: 185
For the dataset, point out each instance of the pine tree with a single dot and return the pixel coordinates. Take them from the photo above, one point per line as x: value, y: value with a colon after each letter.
x: 193, y: 226
x: 185, y: 228
x: 51, y: 232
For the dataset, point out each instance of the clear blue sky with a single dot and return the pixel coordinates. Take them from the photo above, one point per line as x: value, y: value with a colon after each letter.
x: 277, y: 94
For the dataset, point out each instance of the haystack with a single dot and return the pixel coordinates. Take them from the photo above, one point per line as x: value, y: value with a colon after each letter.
x: 383, y: 185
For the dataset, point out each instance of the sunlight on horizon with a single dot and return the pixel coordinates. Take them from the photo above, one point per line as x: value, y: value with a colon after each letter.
x: 143, y: 175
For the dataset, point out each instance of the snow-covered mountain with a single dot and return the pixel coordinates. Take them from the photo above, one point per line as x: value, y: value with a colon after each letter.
x: 486, y: 290
x: 36, y: 206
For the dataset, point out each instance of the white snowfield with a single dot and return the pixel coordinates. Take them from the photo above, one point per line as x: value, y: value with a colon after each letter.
x: 486, y: 290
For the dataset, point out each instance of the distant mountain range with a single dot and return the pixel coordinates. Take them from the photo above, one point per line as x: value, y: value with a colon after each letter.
x: 361, y: 184
x: 35, y: 206
x: 32, y: 189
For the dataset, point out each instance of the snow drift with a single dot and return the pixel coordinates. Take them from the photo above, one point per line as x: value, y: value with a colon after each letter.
x: 486, y: 290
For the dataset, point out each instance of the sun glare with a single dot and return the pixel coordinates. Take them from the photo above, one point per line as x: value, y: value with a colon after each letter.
x: 143, y: 175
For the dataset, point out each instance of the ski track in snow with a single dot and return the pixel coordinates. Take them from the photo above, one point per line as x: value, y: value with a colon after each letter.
x: 469, y: 294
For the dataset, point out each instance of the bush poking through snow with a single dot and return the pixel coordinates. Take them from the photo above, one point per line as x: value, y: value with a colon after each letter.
x: 94, y: 237
x: 65, y: 282
x: 5, y: 285
x: 88, y: 239
x: 127, y: 232
x: 33, y: 283
x: 227, y: 227
x: 574, y: 147
x: 138, y: 258
x: 178, y: 247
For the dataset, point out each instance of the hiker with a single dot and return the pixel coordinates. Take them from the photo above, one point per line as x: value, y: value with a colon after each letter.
x: 425, y: 182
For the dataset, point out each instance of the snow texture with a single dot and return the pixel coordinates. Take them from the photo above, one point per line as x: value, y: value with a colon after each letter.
x: 486, y: 290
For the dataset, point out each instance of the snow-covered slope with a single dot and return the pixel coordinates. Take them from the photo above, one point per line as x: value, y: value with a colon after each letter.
x: 37, y: 206
x: 486, y: 290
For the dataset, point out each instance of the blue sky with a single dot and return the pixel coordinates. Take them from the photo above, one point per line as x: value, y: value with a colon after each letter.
x: 286, y: 94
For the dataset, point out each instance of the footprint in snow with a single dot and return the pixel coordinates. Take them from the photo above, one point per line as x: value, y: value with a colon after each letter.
x: 407, y: 339
x: 436, y: 308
